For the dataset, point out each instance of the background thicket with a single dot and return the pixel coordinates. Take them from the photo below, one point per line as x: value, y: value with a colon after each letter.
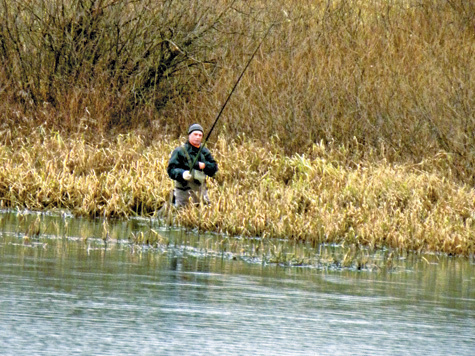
x: 391, y: 78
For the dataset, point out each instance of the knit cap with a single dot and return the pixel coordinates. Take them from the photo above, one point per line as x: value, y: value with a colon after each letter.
x: 195, y: 127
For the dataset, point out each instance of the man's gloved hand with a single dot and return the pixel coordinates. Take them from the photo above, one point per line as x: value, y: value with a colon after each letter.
x: 186, y: 175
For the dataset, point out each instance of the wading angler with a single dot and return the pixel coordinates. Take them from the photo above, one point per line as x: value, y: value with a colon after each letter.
x: 189, y: 165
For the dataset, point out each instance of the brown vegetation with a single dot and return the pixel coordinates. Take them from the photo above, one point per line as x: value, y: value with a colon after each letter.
x: 397, y: 76
x: 355, y: 120
x: 311, y: 198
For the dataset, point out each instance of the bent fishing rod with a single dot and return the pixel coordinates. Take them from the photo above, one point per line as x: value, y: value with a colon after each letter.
x: 229, y: 96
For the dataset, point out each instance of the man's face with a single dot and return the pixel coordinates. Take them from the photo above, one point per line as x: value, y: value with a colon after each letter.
x: 195, y: 138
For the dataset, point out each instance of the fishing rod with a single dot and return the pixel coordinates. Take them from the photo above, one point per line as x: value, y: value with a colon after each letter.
x: 229, y: 96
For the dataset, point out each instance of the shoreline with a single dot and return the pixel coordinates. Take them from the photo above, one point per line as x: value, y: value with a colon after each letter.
x: 314, y: 198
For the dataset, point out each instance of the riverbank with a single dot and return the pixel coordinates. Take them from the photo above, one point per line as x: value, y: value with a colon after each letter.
x: 320, y: 196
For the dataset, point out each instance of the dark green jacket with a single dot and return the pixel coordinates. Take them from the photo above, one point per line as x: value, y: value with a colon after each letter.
x: 179, y: 163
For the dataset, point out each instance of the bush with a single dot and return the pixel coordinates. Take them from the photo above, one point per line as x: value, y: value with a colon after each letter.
x: 117, y: 58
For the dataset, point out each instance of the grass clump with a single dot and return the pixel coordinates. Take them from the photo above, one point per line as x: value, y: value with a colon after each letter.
x: 316, y: 198
x: 258, y: 192
x: 110, y: 178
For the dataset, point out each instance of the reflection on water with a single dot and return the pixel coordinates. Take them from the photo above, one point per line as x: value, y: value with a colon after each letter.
x: 68, y: 292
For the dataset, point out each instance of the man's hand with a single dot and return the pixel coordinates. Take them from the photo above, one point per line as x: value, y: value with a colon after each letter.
x: 186, y: 175
x: 202, y: 165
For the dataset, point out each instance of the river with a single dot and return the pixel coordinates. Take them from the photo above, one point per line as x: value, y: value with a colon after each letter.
x: 79, y: 287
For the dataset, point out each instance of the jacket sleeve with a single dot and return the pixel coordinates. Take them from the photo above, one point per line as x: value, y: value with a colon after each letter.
x: 211, y: 167
x: 177, y: 165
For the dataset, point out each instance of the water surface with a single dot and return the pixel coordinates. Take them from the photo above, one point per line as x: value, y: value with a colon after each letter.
x: 67, y: 292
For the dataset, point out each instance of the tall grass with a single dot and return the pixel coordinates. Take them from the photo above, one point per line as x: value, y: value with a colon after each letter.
x: 395, y: 75
x: 257, y: 192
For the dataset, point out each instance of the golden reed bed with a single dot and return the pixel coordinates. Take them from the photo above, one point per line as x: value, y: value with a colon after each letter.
x: 258, y: 191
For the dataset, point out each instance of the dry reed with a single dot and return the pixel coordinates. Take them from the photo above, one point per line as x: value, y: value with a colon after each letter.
x: 395, y: 75
x: 257, y: 192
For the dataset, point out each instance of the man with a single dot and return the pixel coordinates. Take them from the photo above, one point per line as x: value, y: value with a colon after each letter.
x: 190, y: 182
